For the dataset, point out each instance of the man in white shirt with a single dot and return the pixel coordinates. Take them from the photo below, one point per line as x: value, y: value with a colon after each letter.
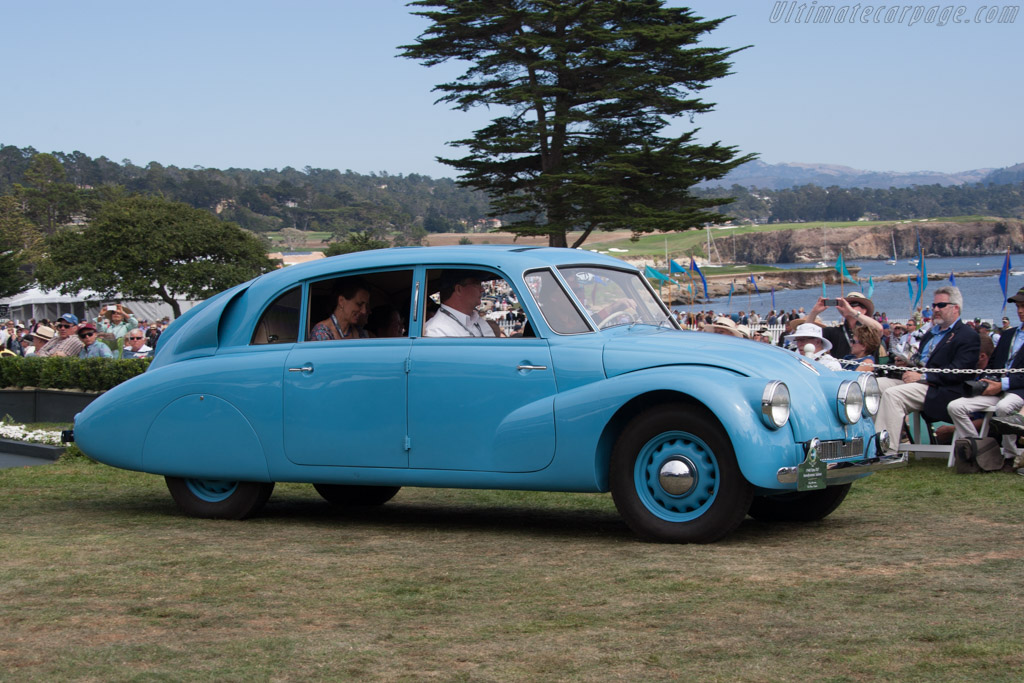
x: 460, y: 295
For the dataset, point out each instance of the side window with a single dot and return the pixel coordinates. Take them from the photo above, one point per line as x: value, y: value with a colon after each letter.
x: 467, y: 302
x: 362, y: 306
x: 559, y: 312
x: 279, y: 324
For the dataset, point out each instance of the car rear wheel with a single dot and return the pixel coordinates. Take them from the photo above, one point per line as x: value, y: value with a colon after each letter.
x: 347, y: 496
x: 799, y: 506
x: 219, y: 498
x: 674, y: 476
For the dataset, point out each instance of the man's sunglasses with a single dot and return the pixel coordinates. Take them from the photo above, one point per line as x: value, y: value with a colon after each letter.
x: 63, y: 326
x: 135, y: 338
x: 83, y: 335
x: 942, y: 304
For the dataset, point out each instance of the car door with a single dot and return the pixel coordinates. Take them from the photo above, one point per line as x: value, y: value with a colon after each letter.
x: 481, y: 404
x: 345, y: 400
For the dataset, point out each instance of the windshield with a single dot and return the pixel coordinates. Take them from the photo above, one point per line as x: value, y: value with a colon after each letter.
x: 615, y: 297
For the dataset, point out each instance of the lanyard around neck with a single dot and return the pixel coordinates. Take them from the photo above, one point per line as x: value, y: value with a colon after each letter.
x: 462, y: 325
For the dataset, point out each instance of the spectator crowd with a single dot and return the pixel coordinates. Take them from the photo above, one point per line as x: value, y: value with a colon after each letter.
x: 115, y: 333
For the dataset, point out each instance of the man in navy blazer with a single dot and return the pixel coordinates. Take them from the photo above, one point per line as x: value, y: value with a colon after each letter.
x: 1005, y: 392
x: 948, y: 344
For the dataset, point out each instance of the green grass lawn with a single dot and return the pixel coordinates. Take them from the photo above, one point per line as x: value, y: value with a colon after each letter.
x: 917, y: 577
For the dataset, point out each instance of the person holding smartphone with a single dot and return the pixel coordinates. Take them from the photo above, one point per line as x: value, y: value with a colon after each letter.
x: 856, y: 309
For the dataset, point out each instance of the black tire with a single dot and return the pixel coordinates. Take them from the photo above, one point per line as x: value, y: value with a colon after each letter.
x: 701, y: 508
x: 219, y: 499
x: 799, y: 506
x: 350, y: 496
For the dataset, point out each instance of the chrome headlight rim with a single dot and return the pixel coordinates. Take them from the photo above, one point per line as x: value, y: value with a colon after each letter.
x: 849, y: 402
x: 776, y: 405
x: 872, y: 394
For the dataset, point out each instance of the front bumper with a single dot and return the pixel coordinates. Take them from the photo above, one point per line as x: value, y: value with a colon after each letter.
x: 845, y: 472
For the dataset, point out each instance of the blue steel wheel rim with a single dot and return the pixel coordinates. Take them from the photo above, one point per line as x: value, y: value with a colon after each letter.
x: 211, y: 490
x: 684, y: 446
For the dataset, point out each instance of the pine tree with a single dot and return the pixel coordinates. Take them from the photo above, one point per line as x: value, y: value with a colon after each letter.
x: 586, y: 88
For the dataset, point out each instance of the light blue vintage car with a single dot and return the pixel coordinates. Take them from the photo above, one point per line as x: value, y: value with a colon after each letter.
x: 587, y: 384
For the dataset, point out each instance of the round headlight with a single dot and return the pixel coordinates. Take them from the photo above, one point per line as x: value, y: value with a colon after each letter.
x: 849, y: 402
x: 872, y: 394
x: 775, y: 405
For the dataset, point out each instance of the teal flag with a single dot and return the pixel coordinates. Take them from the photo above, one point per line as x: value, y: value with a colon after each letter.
x: 841, y: 269
x: 922, y: 272
x: 824, y: 292
x: 910, y: 290
x: 674, y: 267
x: 655, y: 275
x: 871, y: 287
x: 732, y: 287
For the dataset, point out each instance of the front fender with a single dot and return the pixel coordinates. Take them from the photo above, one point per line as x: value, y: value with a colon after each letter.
x: 589, y: 417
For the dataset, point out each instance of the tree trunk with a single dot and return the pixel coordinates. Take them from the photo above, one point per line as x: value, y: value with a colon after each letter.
x: 557, y: 239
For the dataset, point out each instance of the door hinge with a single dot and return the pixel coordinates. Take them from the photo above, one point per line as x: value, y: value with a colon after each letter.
x: 408, y: 443
x: 408, y: 365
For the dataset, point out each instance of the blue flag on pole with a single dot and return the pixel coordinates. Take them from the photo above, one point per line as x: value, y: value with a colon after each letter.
x: 824, y: 292
x: 773, y: 297
x: 1004, y: 276
x: 694, y: 268
x: 754, y: 282
x: 922, y: 271
x: 732, y: 286
x: 674, y: 267
x: 910, y: 290
x: 952, y: 278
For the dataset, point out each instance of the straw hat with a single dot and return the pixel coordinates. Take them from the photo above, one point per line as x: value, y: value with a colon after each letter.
x: 858, y: 298
x: 726, y: 325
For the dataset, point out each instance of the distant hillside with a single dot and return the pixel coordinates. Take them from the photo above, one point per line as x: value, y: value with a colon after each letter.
x: 1005, y: 176
x: 781, y: 176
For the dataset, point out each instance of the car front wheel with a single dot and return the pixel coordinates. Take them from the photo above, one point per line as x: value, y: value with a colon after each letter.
x: 674, y: 476
x: 219, y: 498
x: 346, y: 496
x: 799, y: 506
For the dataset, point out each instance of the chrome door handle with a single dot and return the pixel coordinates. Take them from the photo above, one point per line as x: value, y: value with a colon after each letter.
x: 305, y: 369
x: 531, y: 367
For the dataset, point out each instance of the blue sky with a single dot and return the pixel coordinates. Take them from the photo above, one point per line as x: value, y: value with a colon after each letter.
x: 266, y: 84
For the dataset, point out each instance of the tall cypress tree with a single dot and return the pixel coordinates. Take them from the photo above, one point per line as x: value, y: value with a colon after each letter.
x: 585, y: 89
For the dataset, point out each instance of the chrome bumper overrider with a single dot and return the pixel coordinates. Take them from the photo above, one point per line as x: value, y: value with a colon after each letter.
x: 847, y: 471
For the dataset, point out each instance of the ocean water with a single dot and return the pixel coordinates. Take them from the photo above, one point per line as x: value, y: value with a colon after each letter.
x: 983, y: 297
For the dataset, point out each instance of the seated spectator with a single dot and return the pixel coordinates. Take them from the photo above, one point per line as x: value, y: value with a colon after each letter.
x: 65, y: 343
x: 808, y: 341
x: 92, y: 347
x: 949, y: 344
x: 38, y: 339
x: 135, y: 345
x: 1005, y: 392
x: 863, y: 350
x: 152, y: 334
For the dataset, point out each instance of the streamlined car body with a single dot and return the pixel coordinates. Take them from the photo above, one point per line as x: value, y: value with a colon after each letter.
x: 584, y: 383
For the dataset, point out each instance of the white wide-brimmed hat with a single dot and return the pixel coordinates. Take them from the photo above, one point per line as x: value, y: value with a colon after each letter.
x: 809, y: 330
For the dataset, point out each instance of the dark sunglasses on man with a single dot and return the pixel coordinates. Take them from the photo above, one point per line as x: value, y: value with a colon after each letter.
x: 86, y: 334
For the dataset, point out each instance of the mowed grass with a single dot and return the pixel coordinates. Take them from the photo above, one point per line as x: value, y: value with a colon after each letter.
x: 917, y: 577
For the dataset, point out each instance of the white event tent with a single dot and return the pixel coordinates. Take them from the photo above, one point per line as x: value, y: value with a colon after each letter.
x: 39, y: 303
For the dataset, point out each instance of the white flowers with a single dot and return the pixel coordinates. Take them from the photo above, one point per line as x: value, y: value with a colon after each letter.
x: 19, y: 433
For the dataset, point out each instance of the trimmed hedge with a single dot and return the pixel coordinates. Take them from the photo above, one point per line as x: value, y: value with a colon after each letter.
x: 90, y: 374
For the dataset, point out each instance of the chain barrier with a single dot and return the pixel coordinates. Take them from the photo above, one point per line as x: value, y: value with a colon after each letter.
x: 946, y: 371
